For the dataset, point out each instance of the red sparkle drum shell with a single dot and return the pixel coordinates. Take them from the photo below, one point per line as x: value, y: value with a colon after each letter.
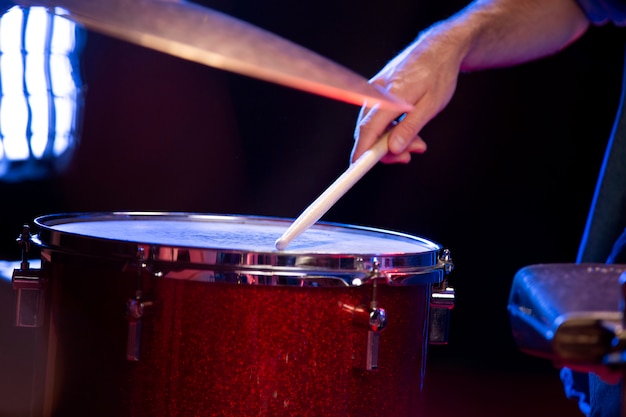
x: 230, y: 326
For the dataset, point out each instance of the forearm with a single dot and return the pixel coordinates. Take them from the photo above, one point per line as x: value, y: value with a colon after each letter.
x: 496, y: 33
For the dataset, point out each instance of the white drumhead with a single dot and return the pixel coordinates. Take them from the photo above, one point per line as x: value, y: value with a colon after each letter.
x: 246, y: 235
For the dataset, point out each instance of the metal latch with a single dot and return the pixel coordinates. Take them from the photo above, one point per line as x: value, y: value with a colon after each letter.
x: 374, y: 319
x: 441, y: 302
x: 29, y: 286
x: 135, y: 310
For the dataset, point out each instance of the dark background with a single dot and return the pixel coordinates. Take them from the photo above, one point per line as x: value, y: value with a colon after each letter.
x: 507, y: 180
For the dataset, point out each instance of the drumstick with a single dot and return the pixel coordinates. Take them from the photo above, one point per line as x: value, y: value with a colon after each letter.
x: 334, y: 192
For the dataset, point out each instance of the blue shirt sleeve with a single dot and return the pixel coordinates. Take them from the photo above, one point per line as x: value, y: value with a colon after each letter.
x: 601, y: 12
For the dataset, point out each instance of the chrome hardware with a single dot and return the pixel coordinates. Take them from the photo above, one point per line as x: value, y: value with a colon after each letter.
x: 135, y: 310
x: 378, y: 322
x: 374, y: 318
x: 446, y: 260
x: 378, y: 319
x: 373, y: 274
x: 441, y: 302
x: 29, y: 285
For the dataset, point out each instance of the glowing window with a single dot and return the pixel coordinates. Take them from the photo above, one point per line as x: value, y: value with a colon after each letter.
x: 40, y: 91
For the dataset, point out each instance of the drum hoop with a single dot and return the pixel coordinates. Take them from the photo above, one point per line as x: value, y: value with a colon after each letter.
x: 394, y: 268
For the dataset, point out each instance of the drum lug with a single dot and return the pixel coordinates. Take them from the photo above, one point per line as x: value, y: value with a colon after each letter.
x: 441, y: 302
x: 136, y: 308
x: 29, y: 307
x: 446, y: 259
x: 374, y: 319
x: 29, y: 286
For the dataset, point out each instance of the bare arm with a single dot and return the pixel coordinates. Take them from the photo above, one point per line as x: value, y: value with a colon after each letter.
x: 485, y: 34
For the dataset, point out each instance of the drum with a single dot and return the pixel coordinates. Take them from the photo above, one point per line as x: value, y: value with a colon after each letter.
x: 178, y: 314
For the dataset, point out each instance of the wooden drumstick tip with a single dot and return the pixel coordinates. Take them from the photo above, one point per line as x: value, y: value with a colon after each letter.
x: 281, y: 243
x: 336, y: 190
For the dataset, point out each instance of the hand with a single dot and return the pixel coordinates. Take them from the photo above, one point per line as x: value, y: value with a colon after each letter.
x: 486, y: 34
x: 424, y: 74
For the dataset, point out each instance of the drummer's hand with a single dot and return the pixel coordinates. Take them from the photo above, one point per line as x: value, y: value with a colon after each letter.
x: 425, y: 75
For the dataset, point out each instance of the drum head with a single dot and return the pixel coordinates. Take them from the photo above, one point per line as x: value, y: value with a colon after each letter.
x: 237, y: 241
